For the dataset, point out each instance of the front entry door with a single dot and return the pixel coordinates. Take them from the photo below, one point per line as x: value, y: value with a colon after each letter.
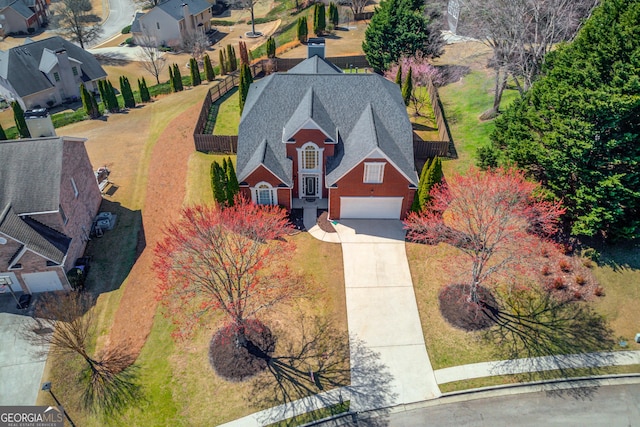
x: 310, y: 186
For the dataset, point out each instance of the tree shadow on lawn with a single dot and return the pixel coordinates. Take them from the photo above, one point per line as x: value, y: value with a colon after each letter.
x: 619, y: 256
x: 317, y: 361
x: 533, y: 325
x: 114, y: 254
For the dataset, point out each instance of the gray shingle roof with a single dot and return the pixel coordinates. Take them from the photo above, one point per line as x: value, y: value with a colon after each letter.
x: 28, y: 161
x: 19, y: 6
x: 174, y: 7
x: 135, y: 25
x: 21, y: 65
x: 51, y: 245
x: 366, y: 110
x: 315, y: 65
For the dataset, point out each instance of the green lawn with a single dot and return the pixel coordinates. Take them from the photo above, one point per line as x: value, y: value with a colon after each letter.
x: 463, y: 102
x: 228, y: 117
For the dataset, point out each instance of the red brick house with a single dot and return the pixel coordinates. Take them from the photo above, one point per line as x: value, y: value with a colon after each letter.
x: 48, y: 200
x: 341, y: 140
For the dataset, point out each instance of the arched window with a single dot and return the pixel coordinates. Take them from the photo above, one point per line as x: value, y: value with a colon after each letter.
x: 310, y: 158
x: 265, y: 194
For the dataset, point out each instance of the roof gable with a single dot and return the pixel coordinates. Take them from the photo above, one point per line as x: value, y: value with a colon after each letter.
x: 362, y: 111
x: 173, y: 8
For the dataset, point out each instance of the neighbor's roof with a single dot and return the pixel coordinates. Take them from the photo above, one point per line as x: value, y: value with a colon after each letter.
x: 19, y: 6
x: 362, y: 112
x: 136, y: 27
x: 21, y: 65
x: 30, y: 174
x: 174, y: 7
x: 35, y: 236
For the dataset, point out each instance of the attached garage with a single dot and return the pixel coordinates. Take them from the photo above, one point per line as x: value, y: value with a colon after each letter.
x: 42, y: 282
x: 370, y: 207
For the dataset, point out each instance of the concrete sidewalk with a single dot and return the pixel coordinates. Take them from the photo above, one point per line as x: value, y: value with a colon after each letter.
x: 382, y: 314
x: 537, y: 364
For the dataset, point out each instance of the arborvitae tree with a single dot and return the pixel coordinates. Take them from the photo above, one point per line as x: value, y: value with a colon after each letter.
x: 144, y: 91
x: 3, y: 136
x: 432, y: 177
x: 223, y: 63
x: 399, y: 76
x: 334, y: 15
x: 127, y: 93
x: 416, y: 206
x: 18, y: 116
x: 244, y: 53
x: 245, y: 81
x: 218, y: 183
x: 195, y: 72
x: 407, y: 88
x: 208, y: 69
x: 232, y: 183
x: 94, y: 105
x: 172, y: 81
x: 114, y: 107
x: 229, y: 58
x: 88, y: 102
x: 319, y: 19
x: 271, y: 48
x: 177, y: 77
x: 103, y: 94
x: 303, y: 30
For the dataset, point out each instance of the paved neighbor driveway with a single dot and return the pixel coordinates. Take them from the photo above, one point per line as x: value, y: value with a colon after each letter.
x: 21, y: 364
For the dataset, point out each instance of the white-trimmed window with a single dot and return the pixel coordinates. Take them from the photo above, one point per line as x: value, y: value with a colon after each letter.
x: 373, y: 173
x: 265, y: 194
x: 75, y: 188
x: 310, y: 157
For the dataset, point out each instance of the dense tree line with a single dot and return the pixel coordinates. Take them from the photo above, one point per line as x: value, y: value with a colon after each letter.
x: 577, y: 129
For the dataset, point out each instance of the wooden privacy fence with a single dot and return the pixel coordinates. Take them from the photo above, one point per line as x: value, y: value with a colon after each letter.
x: 285, y: 64
x: 429, y: 149
x: 219, y: 143
x: 443, y: 131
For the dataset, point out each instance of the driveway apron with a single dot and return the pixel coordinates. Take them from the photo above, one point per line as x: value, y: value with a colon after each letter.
x: 383, y: 317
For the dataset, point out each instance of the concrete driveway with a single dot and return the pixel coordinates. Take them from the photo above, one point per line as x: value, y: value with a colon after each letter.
x: 21, y: 363
x: 382, y: 309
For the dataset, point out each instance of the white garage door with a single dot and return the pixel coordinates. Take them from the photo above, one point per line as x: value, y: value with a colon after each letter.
x: 42, y: 282
x: 370, y: 207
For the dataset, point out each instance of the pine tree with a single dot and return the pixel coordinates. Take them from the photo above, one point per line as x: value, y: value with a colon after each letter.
x: 319, y: 19
x: 208, y: 69
x: 18, y: 116
x: 407, y: 88
x: 223, y: 63
x: 233, y: 188
x: 172, y: 80
x: 245, y: 82
x: 271, y: 48
x: 3, y: 136
x: 399, y: 76
x: 194, y: 71
x: 303, y: 29
x: 177, y: 77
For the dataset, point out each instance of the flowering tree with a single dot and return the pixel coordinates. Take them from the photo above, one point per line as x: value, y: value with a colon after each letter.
x: 495, y: 219
x: 232, y: 260
x: 422, y: 72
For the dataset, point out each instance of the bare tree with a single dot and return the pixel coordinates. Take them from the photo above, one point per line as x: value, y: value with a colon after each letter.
x: 196, y: 43
x: 521, y: 33
x: 357, y: 6
x: 147, y: 4
x: 73, y: 20
x: 64, y: 322
x: 151, y: 58
x: 249, y: 5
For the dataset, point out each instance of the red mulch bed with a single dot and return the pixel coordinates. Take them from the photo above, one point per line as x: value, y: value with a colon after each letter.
x: 463, y: 314
x: 235, y: 362
x: 324, y: 223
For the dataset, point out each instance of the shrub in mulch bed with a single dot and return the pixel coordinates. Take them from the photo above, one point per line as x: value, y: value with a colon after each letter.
x: 324, y: 223
x: 235, y: 362
x: 463, y: 314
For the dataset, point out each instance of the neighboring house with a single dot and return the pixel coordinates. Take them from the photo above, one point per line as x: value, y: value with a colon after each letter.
x: 22, y: 16
x: 316, y: 134
x: 48, y: 200
x: 47, y: 72
x: 171, y: 23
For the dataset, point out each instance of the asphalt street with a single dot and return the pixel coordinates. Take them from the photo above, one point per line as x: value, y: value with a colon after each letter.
x: 121, y: 13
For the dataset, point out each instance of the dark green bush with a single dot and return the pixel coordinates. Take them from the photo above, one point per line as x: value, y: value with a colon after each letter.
x: 126, y: 30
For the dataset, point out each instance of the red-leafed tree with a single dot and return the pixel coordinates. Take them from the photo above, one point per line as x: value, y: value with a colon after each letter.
x: 232, y: 260
x: 497, y: 219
